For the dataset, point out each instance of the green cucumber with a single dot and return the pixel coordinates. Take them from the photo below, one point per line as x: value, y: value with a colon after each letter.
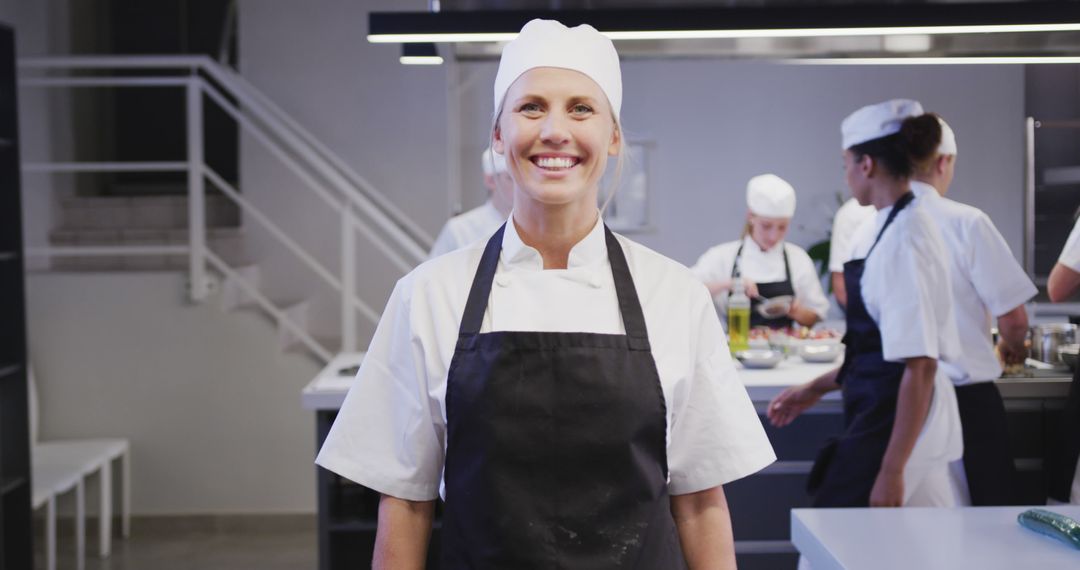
x: 1051, y: 524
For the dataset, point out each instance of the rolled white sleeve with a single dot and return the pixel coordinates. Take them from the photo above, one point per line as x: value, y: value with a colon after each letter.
x: 1001, y: 283
x: 388, y: 433
x: 1070, y: 254
x: 716, y: 436
x: 806, y: 283
x: 910, y: 285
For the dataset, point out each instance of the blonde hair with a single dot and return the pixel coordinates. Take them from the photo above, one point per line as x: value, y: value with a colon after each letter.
x: 620, y: 157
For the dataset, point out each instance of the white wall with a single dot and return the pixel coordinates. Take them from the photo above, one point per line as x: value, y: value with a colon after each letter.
x: 715, y: 124
x: 211, y: 408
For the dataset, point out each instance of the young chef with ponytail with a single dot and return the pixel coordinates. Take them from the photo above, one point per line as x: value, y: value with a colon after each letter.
x: 987, y: 282
x: 567, y: 391
x: 902, y: 426
x: 769, y: 266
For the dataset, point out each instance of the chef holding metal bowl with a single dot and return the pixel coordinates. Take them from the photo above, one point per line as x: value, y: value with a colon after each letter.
x: 779, y: 277
x: 1064, y: 464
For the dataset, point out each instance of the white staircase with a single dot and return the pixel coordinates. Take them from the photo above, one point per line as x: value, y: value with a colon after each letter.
x: 202, y: 231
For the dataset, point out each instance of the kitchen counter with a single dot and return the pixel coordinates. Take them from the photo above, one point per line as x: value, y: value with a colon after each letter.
x: 927, y: 538
x: 327, y: 390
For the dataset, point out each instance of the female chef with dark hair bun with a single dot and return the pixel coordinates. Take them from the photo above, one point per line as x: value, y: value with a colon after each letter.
x: 902, y: 426
x: 568, y: 391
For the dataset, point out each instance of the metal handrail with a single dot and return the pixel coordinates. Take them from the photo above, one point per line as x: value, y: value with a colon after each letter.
x: 343, y: 190
x: 367, y: 199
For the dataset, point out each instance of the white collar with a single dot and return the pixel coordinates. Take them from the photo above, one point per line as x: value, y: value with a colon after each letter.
x: 750, y: 245
x: 922, y: 190
x: 515, y: 253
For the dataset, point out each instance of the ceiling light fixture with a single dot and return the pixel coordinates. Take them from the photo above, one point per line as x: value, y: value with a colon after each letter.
x: 737, y: 22
x: 420, y: 54
x: 1013, y: 60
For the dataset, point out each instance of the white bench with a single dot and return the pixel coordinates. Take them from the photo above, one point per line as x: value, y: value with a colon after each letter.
x: 59, y: 466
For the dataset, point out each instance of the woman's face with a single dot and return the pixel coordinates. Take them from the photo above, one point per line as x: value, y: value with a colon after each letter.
x: 855, y: 175
x: 768, y: 232
x: 556, y: 131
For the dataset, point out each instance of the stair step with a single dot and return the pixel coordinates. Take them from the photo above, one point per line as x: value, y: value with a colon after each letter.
x: 143, y: 212
x: 297, y: 312
x: 233, y: 294
x: 226, y: 242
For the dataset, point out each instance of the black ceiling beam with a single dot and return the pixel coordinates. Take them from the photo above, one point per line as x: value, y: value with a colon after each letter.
x: 735, y: 18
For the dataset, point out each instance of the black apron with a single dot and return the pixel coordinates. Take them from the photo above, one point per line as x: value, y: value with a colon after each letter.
x: 1061, y: 466
x: 768, y: 291
x: 988, y: 463
x: 845, y: 469
x: 556, y: 443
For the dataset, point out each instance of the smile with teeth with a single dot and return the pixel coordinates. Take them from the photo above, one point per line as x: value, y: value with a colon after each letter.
x: 555, y: 162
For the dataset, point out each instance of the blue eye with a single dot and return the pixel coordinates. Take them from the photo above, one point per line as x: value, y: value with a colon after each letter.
x: 529, y: 108
x: 581, y: 109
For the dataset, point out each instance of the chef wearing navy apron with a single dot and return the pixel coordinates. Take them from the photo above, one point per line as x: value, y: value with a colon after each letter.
x: 901, y: 420
x: 574, y: 407
x: 1063, y: 465
x: 987, y: 283
x: 768, y: 266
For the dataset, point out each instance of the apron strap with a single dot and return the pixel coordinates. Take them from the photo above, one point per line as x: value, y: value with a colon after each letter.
x: 480, y: 292
x: 903, y: 201
x: 735, y: 271
x: 629, y: 305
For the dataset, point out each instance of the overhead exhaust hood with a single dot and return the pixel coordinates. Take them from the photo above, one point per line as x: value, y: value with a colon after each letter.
x: 1037, y: 31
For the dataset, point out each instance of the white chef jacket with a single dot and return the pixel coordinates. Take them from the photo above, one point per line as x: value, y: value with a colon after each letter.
x: 390, y: 434
x: 848, y: 219
x: 762, y: 266
x: 1070, y: 254
x: 467, y: 228
x: 987, y: 282
x: 906, y: 289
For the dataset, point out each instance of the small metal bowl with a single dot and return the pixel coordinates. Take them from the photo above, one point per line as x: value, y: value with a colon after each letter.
x: 759, y: 357
x: 814, y: 351
x: 1069, y: 354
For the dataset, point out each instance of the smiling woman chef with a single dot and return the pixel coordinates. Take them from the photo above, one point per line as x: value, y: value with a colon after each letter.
x: 583, y: 411
x: 768, y: 266
x: 902, y: 427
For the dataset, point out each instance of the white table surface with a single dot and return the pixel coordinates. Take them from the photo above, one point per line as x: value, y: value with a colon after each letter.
x: 327, y: 391
x: 983, y: 538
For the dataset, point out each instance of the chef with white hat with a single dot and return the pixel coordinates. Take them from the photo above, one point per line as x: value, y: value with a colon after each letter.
x: 847, y: 220
x: 902, y: 427
x: 987, y: 283
x: 480, y: 222
x: 567, y: 391
x: 1064, y: 461
x: 769, y: 266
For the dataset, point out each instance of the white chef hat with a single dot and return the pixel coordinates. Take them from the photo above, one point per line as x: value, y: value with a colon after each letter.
x: 877, y: 120
x: 547, y: 43
x: 492, y: 162
x: 770, y: 196
x: 948, y: 139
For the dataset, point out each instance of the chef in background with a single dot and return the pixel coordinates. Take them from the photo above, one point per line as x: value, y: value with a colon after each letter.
x: 902, y: 426
x: 848, y: 219
x: 768, y: 266
x: 1064, y: 464
x: 480, y: 222
x: 987, y: 283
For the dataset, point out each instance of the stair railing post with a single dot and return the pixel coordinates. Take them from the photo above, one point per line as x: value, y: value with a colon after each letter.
x: 196, y: 191
x: 348, y: 278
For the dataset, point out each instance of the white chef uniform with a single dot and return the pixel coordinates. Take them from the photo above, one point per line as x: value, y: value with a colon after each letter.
x: 905, y: 287
x: 762, y: 266
x: 987, y: 282
x: 848, y: 219
x: 1070, y: 257
x: 467, y: 228
x: 390, y: 434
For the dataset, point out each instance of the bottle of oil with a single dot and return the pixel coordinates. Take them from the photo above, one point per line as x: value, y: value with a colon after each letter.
x: 738, y: 311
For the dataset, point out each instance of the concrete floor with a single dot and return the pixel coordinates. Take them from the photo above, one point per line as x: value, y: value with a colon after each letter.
x: 195, y: 543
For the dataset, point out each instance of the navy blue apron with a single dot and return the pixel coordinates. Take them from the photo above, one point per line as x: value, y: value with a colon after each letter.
x: 767, y: 291
x: 1061, y: 465
x: 845, y: 469
x: 988, y: 462
x: 556, y: 443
